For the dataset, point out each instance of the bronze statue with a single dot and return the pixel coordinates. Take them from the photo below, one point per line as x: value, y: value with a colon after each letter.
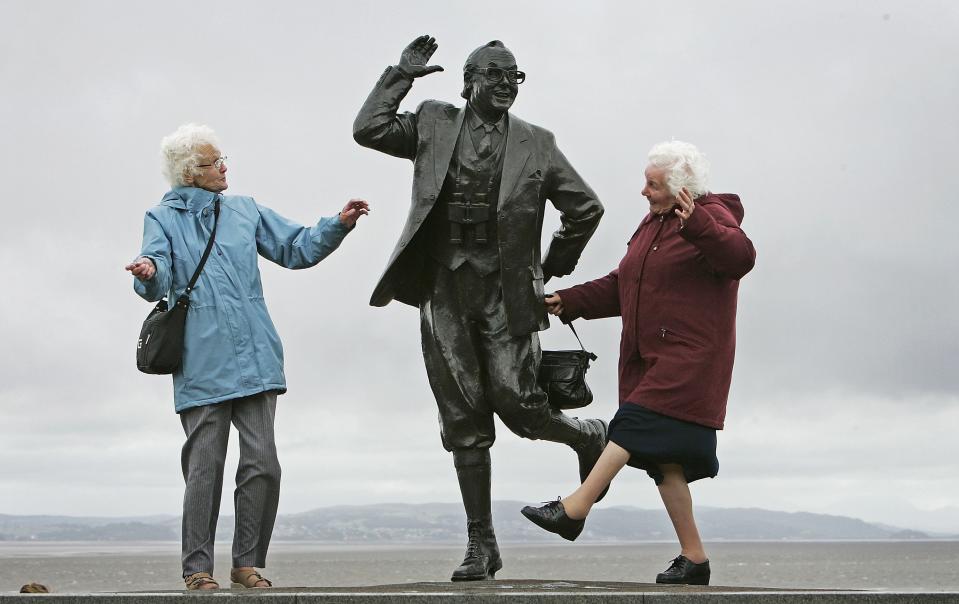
x: 469, y: 259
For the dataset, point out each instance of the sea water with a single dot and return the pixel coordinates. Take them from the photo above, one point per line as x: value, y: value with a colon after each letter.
x: 142, y: 566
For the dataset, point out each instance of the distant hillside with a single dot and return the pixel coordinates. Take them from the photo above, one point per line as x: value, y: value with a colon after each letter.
x: 77, y: 528
x: 444, y: 523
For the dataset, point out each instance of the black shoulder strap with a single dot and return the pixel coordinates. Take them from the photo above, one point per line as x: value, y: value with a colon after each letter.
x: 209, y: 246
x: 570, y: 324
x: 588, y: 353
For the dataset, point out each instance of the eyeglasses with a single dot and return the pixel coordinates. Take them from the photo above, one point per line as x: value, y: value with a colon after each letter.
x: 494, y: 75
x: 216, y: 164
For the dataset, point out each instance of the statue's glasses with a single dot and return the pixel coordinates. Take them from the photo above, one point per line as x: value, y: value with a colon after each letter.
x: 216, y: 164
x: 494, y: 75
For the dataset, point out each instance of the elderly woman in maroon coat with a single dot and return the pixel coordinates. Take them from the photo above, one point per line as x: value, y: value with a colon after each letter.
x: 676, y: 293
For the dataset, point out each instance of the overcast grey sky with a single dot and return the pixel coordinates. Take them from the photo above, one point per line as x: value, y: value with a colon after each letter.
x: 834, y: 120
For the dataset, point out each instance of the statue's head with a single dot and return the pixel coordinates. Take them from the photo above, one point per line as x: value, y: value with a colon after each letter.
x: 490, y: 79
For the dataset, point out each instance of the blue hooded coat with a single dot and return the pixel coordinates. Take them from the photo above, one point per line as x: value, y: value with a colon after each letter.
x: 231, y: 347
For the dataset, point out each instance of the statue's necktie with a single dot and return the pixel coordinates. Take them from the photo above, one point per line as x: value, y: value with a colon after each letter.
x: 486, y: 142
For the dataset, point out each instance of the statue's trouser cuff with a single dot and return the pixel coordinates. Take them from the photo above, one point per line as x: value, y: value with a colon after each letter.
x: 468, y: 458
x: 475, y: 367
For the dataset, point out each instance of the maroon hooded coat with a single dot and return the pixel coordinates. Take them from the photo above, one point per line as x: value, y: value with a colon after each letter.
x: 676, y: 292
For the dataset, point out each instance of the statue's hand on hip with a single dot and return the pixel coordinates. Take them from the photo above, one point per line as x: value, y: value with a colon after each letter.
x: 415, y: 56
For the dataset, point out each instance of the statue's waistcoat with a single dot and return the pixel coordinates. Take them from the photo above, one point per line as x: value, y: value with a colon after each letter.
x: 462, y: 225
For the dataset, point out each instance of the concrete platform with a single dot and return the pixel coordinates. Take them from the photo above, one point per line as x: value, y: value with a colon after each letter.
x: 505, y: 592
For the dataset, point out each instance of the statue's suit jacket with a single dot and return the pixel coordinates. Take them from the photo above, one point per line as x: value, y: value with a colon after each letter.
x: 534, y: 170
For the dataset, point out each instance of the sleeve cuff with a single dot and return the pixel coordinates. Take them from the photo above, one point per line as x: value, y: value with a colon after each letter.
x: 400, y: 71
x: 696, y: 224
x: 570, y: 305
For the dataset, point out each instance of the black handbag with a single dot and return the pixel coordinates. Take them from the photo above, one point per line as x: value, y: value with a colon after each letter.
x: 562, y: 375
x: 160, y: 346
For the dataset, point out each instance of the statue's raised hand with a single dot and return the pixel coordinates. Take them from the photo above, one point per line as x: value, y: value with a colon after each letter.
x: 415, y: 56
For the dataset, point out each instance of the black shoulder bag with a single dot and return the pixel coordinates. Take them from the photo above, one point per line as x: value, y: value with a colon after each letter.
x: 562, y: 375
x: 160, y: 346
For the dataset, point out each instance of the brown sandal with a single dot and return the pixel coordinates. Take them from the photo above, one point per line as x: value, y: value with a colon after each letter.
x: 248, y: 578
x: 199, y: 581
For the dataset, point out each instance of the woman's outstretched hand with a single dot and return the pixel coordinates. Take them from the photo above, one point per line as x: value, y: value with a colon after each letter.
x: 352, y: 211
x: 142, y: 268
x: 554, y: 304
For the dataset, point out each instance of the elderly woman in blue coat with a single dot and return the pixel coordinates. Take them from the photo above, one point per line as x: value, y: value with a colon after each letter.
x: 232, y: 365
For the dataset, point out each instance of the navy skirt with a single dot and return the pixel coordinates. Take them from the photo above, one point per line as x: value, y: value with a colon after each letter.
x: 653, y: 439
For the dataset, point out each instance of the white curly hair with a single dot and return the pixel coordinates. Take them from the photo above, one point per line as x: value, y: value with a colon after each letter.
x: 685, y: 166
x: 180, y: 151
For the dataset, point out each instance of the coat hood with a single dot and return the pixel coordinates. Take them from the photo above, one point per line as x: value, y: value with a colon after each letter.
x: 729, y: 200
x: 188, y: 198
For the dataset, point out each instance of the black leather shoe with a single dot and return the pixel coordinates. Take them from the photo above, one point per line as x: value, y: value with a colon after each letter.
x: 682, y: 571
x: 553, y: 518
x: 482, y: 558
x: 589, y: 452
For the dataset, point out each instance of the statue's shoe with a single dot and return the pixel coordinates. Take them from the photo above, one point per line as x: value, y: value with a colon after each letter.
x: 482, y: 558
x: 683, y: 571
x: 553, y: 518
x: 477, y: 567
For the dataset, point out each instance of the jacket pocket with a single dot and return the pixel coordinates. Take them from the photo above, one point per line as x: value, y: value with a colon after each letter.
x: 671, y: 335
x: 531, y: 186
x: 537, y: 276
x: 206, y: 341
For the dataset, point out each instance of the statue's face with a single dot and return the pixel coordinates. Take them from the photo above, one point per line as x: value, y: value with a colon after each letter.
x: 493, y: 98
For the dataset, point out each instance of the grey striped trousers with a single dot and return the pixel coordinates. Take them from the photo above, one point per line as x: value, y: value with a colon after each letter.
x: 257, y: 491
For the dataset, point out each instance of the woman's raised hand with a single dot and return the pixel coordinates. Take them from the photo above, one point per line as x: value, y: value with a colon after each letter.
x: 686, y: 205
